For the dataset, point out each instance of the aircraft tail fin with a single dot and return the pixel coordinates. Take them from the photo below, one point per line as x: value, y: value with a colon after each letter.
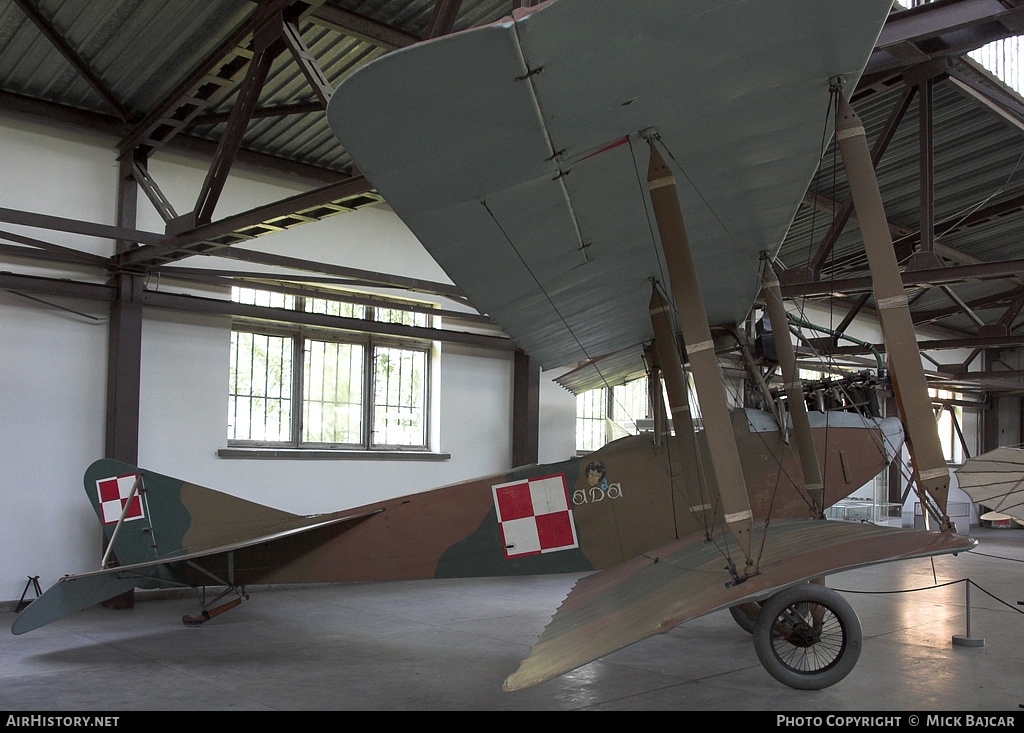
x: 147, y: 516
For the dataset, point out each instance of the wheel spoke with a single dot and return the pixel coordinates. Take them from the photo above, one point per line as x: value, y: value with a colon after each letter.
x: 810, y: 637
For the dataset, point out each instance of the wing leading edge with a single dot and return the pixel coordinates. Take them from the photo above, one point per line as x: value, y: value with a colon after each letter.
x: 511, y: 151
x: 685, y: 579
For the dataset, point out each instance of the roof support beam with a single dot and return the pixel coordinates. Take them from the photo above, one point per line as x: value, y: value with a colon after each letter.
x: 209, y: 80
x: 312, y: 205
x: 193, y: 304
x: 967, y: 342
x: 337, y: 18
x: 112, y: 291
x: 55, y: 287
x: 964, y: 308
x: 54, y: 252
x: 76, y: 61
x: 886, y: 135
x: 307, y: 62
x: 267, y: 44
x: 945, y: 275
x: 140, y: 172
x: 1001, y: 104
x: 947, y: 28
x: 442, y: 19
x: 925, y: 257
x: 987, y: 301
x: 89, y: 229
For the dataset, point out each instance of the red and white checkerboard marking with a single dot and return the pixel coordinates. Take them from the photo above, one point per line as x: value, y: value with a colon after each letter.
x: 113, y: 493
x: 535, y: 516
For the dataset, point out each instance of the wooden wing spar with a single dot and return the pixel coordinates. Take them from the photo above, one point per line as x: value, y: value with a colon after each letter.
x: 514, y: 152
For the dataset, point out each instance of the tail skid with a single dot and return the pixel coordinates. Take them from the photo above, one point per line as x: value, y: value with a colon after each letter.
x: 206, y: 615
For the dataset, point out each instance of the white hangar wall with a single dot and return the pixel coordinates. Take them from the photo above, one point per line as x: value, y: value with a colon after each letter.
x: 53, y: 366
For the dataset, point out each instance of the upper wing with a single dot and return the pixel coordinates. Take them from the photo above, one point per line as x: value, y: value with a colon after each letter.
x: 996, y: 479
x: 685, y: 579
x: 513, y: 153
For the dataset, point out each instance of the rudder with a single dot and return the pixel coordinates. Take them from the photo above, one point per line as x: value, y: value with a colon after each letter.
x: 167, y: 516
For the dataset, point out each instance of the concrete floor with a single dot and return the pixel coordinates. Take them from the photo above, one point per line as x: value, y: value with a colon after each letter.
x: 449, y: 644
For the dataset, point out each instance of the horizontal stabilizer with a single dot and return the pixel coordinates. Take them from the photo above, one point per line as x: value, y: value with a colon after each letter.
x: 74, y: 593
x: 682, y: 580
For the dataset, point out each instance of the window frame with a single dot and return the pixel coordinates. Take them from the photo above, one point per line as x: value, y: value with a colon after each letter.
x: 299, y: 336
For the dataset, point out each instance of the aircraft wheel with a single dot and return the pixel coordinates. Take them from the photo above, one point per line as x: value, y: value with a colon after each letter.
x: 807, y: 637
x: 745, y: 615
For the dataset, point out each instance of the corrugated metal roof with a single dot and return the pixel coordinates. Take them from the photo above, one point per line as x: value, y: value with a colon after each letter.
x: 141, y: 51
x: 978, y: 164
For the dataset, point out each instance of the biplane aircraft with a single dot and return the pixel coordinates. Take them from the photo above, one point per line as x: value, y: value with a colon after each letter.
x: 609, y: 182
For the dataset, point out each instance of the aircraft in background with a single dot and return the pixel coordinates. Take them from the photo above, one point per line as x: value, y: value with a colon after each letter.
x: 537, y: 160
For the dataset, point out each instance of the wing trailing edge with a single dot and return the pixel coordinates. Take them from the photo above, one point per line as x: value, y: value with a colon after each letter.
x: 685, y: 579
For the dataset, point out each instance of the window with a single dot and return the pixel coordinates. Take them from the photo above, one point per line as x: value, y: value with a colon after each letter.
x: 607, y: 413
x: 949, y: 416
x: 302, y: 387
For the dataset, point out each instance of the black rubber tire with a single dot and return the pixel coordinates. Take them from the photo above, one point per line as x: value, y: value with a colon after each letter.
x: 808, y: 637
x: 745, y: 615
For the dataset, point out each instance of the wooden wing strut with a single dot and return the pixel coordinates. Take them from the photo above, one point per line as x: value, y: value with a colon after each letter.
x: 725, y: 471
x: 794, y: 389
x: 908, y: 378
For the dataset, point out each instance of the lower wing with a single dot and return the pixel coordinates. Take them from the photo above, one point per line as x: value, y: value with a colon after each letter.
x: 682, y: 580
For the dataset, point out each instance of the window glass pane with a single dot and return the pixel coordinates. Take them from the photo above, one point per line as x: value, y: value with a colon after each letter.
x: 250, y: 296
x: 399, y: 410
x: 948, y: 420
x: 335, y: 308
x: 332, y: 404
x: 591, y: 408
x: 259, y: 398
x: 629, y: 404
x: 395, y: 315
